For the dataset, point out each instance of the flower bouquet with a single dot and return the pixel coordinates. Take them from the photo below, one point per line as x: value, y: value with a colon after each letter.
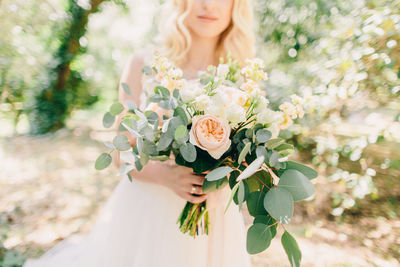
x: 221, y: 125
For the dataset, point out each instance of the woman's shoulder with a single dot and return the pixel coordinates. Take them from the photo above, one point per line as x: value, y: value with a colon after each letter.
x: 142, y: 56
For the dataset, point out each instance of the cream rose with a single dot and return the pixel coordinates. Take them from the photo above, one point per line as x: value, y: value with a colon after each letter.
x: 210, y: 133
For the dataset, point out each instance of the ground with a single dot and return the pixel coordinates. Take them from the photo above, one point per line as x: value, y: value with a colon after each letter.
x: 49, y: 189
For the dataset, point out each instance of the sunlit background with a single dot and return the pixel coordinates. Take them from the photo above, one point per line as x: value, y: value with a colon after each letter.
x: 60, y: 62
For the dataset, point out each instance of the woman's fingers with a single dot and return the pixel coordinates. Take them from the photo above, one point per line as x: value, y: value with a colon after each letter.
x: 196, y: 179
x: 195, y: 199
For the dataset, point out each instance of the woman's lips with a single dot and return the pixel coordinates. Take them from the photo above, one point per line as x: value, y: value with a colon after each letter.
x: 207, y: 19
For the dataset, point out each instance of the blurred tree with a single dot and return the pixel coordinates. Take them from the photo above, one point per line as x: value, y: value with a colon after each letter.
x: 62, y: 89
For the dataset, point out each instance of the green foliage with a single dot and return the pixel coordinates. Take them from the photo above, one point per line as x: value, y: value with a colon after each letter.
x: 10, y: 257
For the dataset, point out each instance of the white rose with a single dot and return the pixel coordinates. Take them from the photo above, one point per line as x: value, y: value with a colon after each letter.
x: 240, y: 97
x: 235, y: 113
x: 222, y: 70
x: 189, y: 92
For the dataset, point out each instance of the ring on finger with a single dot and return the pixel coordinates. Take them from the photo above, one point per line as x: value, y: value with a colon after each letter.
x: 193, y: 190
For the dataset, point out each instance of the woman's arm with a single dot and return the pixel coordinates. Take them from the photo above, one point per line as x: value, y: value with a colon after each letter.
x: 178, y: 178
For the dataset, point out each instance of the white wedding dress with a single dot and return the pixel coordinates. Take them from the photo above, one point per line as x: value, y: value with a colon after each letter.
x: 137, y: 227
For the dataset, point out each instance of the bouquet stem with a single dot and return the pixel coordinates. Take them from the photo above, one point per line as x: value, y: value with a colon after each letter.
x: 194, y: 217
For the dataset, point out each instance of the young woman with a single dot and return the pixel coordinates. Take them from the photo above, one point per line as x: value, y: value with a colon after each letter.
x: 138, y: 225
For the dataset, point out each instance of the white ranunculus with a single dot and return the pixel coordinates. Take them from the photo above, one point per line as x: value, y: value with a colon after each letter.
x: 240, y: 97
x: 222, y: 70
x: 201, y: 102
x: 235, y: 113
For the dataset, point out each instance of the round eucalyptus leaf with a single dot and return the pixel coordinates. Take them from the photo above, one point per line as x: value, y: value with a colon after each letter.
x: 164, y: 141
x: 263, y: 135
x: 121, y: 142
x: 267, y: 220
x: 255, y: 203
x: 279, y: 204
x: 180, y: 132
x: 188, y: 152
x: 258, y: 238
x: 126, y: 88
x: 116, y: 109
x: 307, y: 171
x: 103, y: 161
x: 218, y: 173
x: 297, y: 184
x: 108, y: 120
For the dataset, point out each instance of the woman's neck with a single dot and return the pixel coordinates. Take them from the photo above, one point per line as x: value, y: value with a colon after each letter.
x: 200, y: 55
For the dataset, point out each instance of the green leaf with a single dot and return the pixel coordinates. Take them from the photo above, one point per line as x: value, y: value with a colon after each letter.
x: 258, y: 238
x: 164, y: 141
x: 273, y: 159
x: 116, y: 109
x: 307, y: 171
x: 103, y: 161
x: 255, y: 203
x: 233, y: 192
x: 188, y: 152
x: 251, y: 169
x: 267, y: 220
x: 180, y: 132
x: 211, y: 186
x: 273, y: 143
x: 279, y: 204
x: 297, y: 184
x: 147, y: 70
x: 108, y: 120
x: 240, y: 194
x: 263, y: 135
x: 130, y: 130
x: 121, y: 142
x: 244, y: 152
x: 151, y: 116
x: 292, y: 249
x: 182, y: 114
x: 218, y: 173
x: 161, y: 90
x: 126, y: 88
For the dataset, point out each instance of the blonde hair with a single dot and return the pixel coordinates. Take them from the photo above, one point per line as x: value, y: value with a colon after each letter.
x: 174, y: 39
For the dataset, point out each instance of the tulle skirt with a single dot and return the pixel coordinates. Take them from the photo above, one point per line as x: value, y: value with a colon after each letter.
x: 137, y: 227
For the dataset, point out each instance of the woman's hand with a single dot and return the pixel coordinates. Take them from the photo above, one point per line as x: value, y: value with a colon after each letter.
x: 179, y: 179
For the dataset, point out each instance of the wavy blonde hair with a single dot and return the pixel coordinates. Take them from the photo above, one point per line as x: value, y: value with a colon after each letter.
x: 174, y: 39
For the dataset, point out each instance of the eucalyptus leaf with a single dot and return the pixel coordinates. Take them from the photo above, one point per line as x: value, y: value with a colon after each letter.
x: 279, y: 204
x: 240, y: 195
x: 103, y: 161
x: 255, y: 203
x: 130, y: 104
x: 244, y: 152
x: 211, y: 186
x: 180, y: 132
x: 233, y: 192
x: 116, y: 109
x: 147, y: 70
x: 125, y: 168
x: 121, y: 142
x: 297, y: 184
x: 131, y: 131
x: 218, y: 173
x: 263, y: 135
x: 126, y: 88
x: 258, y: 238
x: 108, y: 120
x: 159, y: 157
x: 188, y: 152
x: 164, y: 141
x: 307, y: 171
x: 292, y: 249
x: 251, y: 169
x: 273, y: 143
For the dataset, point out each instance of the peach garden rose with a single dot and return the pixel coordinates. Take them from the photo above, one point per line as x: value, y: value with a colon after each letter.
x: 210, y: 133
